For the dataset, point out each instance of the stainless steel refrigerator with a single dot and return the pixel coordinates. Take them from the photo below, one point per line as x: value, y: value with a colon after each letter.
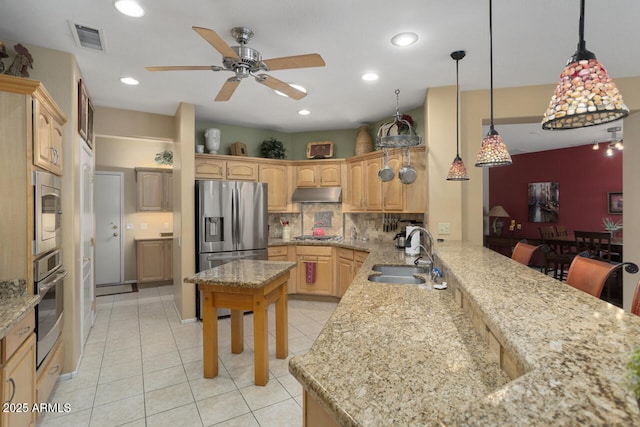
x: 231, y: 223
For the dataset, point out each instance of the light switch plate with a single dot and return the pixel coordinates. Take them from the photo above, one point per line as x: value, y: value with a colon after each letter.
x: 129, y: 226
x: 143, y: 226
x: 444, y: 228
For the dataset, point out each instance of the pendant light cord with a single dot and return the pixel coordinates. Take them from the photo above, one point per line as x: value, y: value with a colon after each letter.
x: 457, y: 111
x: 491, y: 61
x: 581, y: 43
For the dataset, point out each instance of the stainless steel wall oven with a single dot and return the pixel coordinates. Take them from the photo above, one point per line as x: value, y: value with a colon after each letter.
x: 48, y: 212
x: 49, y: 284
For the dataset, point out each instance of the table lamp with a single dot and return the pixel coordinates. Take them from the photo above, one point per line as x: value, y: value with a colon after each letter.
x: 498, y: 213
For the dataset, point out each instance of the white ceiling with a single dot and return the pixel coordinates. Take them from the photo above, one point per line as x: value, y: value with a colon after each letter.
x: 532, y: 40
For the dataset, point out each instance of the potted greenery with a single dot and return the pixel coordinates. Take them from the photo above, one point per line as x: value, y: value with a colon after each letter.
x: 272, y: 149
x: 164, y: 157
x: 633, y: 373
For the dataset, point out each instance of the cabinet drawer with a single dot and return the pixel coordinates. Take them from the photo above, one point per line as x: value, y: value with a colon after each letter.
x: 360, y: 256
x: 314, y: 250
x: 17, y: 335
x: 345, y: 253
x: 277, y: 251
x: 49, y: 372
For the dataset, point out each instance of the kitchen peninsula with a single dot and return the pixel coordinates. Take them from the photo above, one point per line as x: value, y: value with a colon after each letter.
x: 503, y: 345
x: 244, y: 285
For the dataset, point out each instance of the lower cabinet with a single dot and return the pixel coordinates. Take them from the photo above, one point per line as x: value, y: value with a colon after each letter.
x: 18, y: 392
x: 349, y: 263
x: 285, y: 253
x: 154, y: 260
x: 315, y: 266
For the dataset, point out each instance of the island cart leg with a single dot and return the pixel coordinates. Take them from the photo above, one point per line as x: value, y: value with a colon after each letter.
x: 282, y: 338
x: 209, y: 336
x: 237, y: 331
x: 260, y: 341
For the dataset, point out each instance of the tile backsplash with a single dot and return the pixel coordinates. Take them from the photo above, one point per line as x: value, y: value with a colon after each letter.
x: 329, y: 216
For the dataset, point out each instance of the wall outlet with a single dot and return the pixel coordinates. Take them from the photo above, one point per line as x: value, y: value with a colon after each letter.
x: 129, y: 226
x: 444, y: 228
x: 165, y: 225
x: 143, y: 226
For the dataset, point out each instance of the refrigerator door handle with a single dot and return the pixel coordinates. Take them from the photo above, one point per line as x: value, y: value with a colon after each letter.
x: 235, y: 208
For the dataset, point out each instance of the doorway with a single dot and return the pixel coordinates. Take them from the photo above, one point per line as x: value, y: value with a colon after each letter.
x: 109, y: 188
x: 87, y: 239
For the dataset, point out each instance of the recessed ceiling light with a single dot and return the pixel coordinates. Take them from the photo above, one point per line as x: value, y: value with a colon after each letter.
x: 129, y: 8
x: 304, y: 112
x: 369, y: 77
x: 404, y: 39
x: 129, y: 81
x: 295, y: 86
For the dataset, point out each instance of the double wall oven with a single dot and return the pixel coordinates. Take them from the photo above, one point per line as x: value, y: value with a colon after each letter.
x: 48, y: 272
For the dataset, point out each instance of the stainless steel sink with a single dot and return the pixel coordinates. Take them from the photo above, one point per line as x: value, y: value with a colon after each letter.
x: 399, y: 270
x: 403, y: 280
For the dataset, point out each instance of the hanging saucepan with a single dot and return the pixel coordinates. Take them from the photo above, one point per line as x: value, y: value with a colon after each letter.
x: 407, y: 173
x: 387, y: 173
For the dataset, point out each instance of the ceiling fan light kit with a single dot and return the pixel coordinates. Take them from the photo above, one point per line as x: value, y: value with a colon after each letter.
x: 585, y: 94
x: 245, y: 61
x: 493, y: 152
x: 457, y: 171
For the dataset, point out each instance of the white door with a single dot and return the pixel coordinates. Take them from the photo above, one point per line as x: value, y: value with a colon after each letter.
x: 87, y: 241
x: 109, y: 195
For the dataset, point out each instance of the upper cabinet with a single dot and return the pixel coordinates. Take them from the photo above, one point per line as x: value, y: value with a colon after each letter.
x: 214, y: 167
x: 47, y: 138
x: 276, y: 175
x: 154, y: 189
x: 319, y: 174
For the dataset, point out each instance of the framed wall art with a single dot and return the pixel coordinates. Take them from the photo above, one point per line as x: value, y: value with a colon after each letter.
x: 89, y: 123
x: 614, y: 205
x: 83, y: 106
x: 320, y: 150
x: 543, y: 202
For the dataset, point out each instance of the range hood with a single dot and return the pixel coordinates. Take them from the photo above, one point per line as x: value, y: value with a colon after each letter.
x: 317, y: 195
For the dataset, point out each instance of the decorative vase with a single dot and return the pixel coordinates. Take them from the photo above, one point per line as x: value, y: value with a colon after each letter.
x: 364, y: 143
x: 212, y: 140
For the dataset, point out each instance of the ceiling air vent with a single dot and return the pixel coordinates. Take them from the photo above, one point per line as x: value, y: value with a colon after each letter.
x: 87, y: 37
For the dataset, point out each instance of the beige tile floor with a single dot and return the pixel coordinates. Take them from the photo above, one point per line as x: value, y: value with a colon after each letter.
x: 142, y: 367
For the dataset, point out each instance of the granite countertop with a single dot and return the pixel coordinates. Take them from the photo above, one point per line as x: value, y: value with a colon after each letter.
x: 244, y: 273
x: 358, y: 244
x: 15, y: 304
x: 409, y: 355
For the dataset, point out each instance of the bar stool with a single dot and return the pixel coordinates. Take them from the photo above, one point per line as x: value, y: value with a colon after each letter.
x: 523, y: 252
x: 635, y: 304
x: 589, y: 275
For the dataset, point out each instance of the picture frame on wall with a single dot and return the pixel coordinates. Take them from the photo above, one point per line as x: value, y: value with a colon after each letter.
x: 614, y: 203
x: 89, y: 123
x: 83, y: 106
x: 320, y: 150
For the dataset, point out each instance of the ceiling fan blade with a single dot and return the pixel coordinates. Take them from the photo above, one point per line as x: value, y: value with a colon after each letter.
x: 227, y: 89
x: 216, y: 41
x: 298, y: 61
x: 180, y: 68
x: 281, y: 86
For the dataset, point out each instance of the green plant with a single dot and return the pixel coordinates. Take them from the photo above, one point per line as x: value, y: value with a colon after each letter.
x: 164, y: 157
x: 633, y: 372
x: 611, y: 225
x: 272, y: 149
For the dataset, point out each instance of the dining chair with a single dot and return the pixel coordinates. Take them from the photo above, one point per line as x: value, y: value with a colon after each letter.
x: 597, y: 243
x: 635, y: 304
x: 524, y: 252
x: 590, y: 274
x: 561, y: 231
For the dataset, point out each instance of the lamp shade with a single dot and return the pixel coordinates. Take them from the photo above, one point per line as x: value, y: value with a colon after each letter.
x: 498, y: 211
x: 457, y: 171
x: 493, y: 152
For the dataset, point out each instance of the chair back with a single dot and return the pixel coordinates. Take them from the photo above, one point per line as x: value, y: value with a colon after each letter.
x: 523, y: 252
x: 635, y: 304
x: 597, y: 243
x: 547, y: 232
x: 589, y: 275
x: 561, y: 231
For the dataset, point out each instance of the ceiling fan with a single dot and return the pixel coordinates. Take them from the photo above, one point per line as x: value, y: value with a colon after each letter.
x: 245, y: 61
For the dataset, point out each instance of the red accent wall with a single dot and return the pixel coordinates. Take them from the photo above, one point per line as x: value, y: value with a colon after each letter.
x: 584, y: 177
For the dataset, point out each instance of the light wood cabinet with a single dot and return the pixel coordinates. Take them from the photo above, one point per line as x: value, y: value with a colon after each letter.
x: 285, y: 253
x: 18, y: 376
x: 154, y: 190
x: 365, y: 188
x: 47, y: 138
x: 314, y: 174
x: 49, y: 372
x: 207, y: 167
x: 154, y: 259
x: 393, y: 192
x: 349, y: 262
x: 322, y: 257
x: 242, y: 170
x: 359, y: 257
x: 19, y: 137
x: 278, y: 188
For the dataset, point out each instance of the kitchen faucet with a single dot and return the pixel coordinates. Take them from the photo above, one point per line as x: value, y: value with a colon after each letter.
x: 428, y: 252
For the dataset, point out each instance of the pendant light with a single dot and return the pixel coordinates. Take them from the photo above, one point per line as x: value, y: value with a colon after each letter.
x: 585, y: 95
x: 457, y: 171
x: 493, y: 152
